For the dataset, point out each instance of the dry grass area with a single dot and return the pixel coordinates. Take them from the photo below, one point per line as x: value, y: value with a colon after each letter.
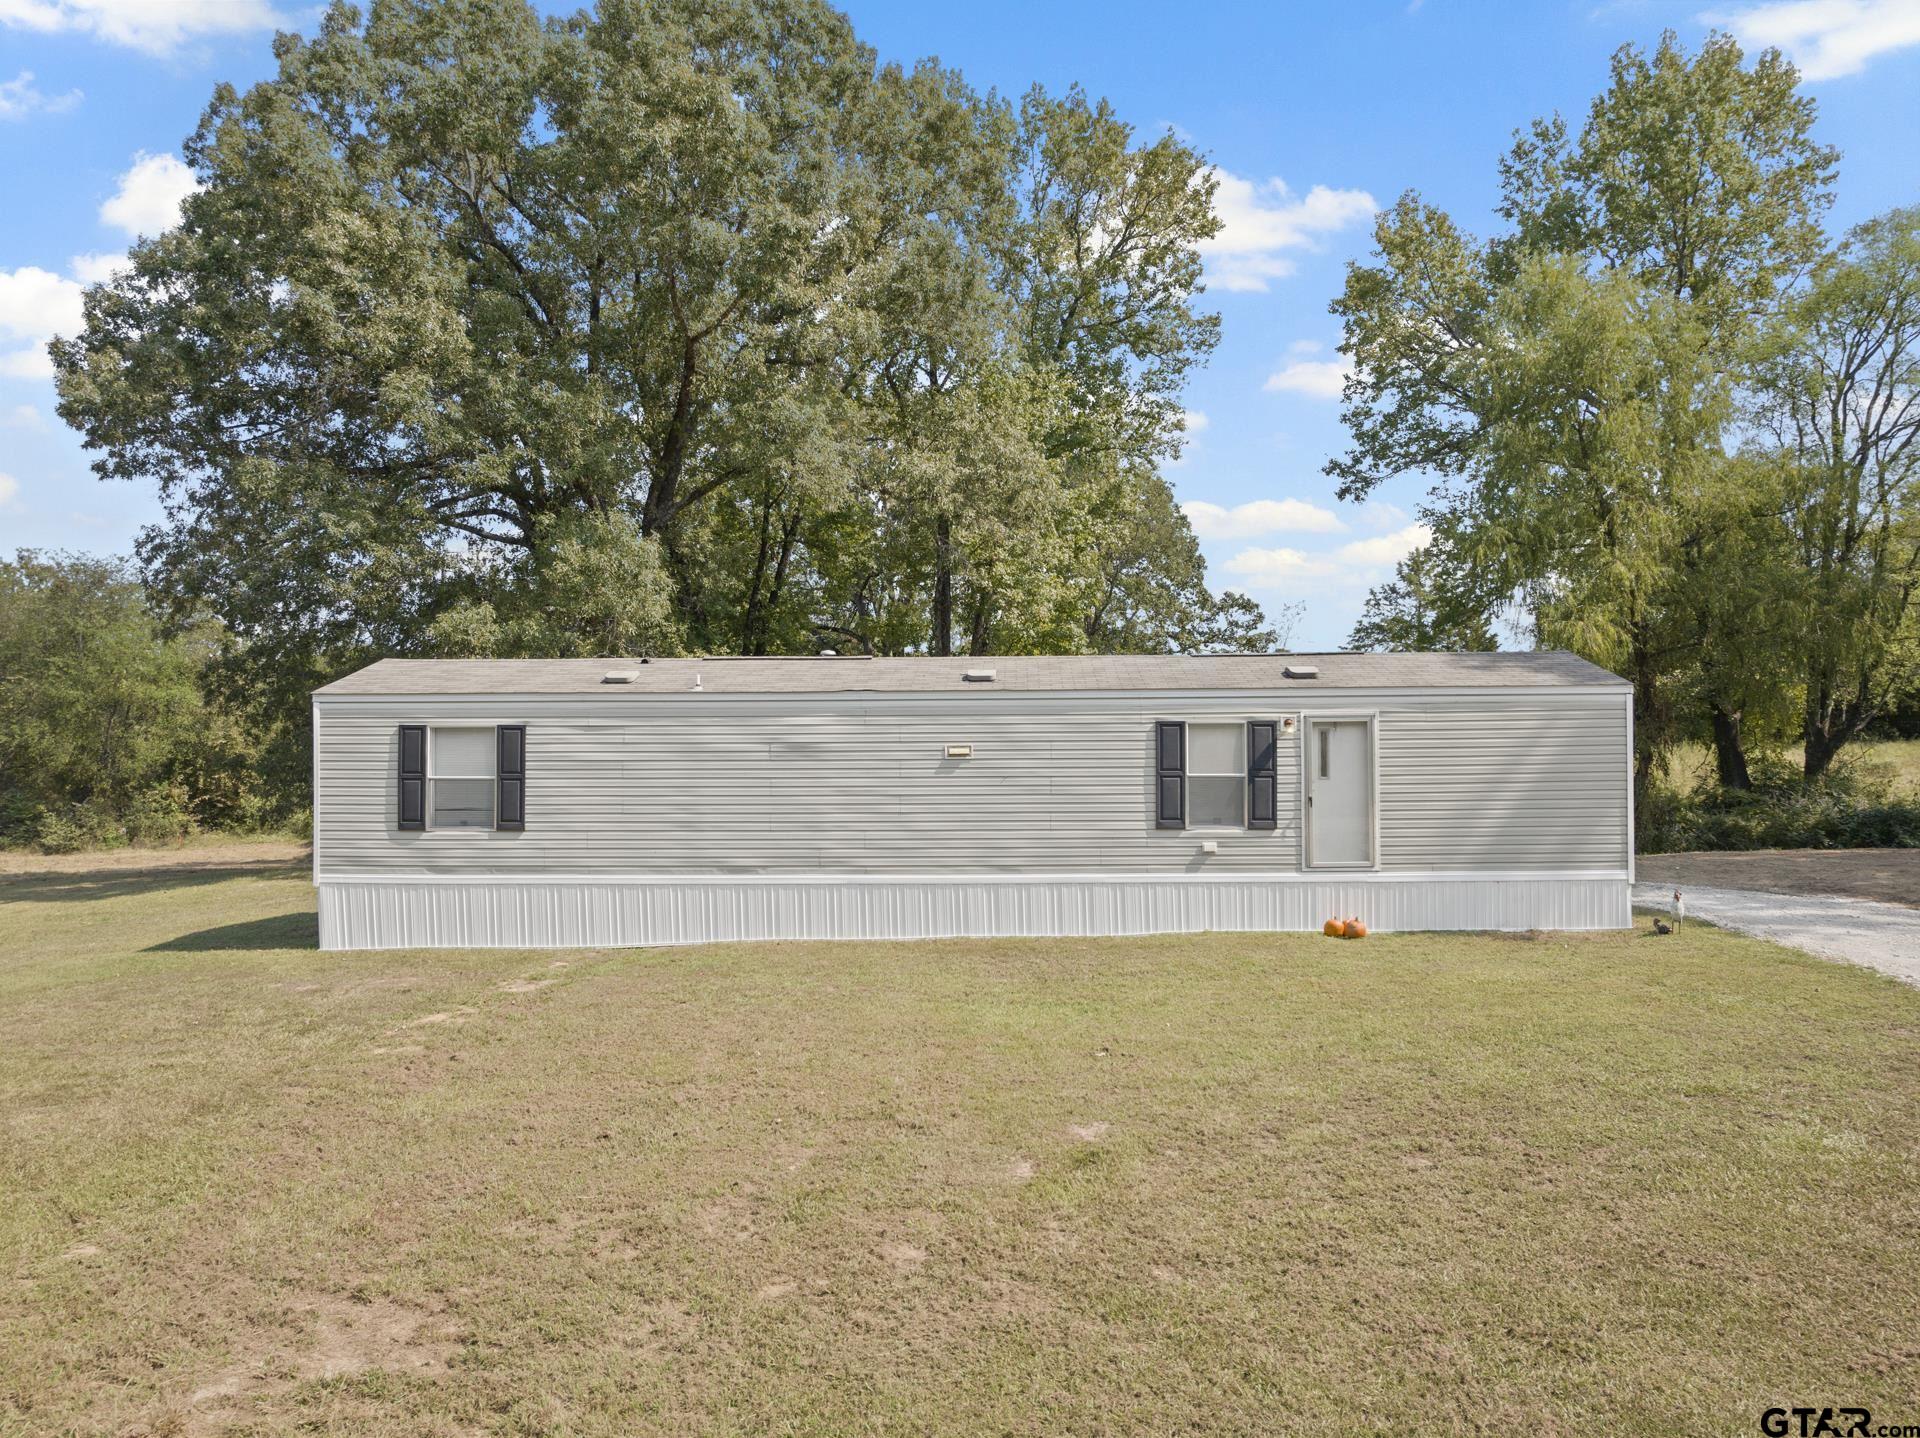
x: 1605, y: 1184
x: 1896, y: 761
x: 1902, y: 760
x: 212, y: 851
x: 1892, y: 876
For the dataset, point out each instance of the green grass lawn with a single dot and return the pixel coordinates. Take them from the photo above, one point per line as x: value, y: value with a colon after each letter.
x: 1564, y: 1185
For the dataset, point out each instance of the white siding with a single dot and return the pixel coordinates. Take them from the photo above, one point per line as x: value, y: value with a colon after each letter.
x: 1537, y: 782
x: 849, y: 785
x: 426, y: 913
x: 715, y: 790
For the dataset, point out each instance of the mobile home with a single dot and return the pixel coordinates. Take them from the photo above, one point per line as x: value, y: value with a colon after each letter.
x: 529, y: 803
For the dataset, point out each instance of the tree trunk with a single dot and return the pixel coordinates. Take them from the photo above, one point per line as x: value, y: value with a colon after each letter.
x: 663, y: 494
x: 789, y: 530
x: 1822, y: 744
x: 1649, y: 736
x: 942, y: 640
x: 1831, y: 725
x: 1644, y: 762
x: 752, y: 637
x: 1729, y: 749
x: 980, y: 627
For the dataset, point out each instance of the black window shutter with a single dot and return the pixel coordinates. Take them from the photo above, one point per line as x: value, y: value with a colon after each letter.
x: 413, y: 776
x: 1170, y: 774
x: 1263, y: 797
x: 512, y: 770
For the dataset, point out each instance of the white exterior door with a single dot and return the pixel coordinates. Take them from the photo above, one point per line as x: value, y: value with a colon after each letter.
x: 1339, y: 792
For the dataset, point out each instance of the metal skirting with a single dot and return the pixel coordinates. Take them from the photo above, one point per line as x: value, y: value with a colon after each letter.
x: 591, y: 913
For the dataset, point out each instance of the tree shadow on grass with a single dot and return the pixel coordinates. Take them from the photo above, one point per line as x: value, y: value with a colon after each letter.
x: 299, y: 930
x: 82, y: 884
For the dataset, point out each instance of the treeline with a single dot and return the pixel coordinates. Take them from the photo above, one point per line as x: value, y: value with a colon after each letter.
x: 668, y: 326
x: 108, y: 729
x: 1674, y: 428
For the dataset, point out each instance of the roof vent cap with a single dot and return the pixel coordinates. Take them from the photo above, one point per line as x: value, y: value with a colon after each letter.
x: 977, y: 676
x: 1301, y: 671
x: 620, y: 676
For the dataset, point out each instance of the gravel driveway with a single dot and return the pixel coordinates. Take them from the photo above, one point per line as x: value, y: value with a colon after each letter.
x: 1881, y: 936
x: 1890, y: 875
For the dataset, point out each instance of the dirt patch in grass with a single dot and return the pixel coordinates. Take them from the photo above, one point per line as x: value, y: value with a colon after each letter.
x: 1891, y: 876
x: 172, y: 859
x: 1226, y: 1183
x: 322, y: 1340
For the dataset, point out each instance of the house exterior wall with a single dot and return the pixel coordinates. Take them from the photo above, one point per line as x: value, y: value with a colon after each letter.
x: 674, y: 817
x: 1538, y: 781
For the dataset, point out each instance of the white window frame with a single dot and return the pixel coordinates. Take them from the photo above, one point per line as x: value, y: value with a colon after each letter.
x: 433, y: 775
x: 1189, y: 774
x: 1309, y: 747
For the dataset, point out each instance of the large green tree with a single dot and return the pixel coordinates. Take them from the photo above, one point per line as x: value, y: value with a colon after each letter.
x: 476, y: 315
x: 1836, y: 414
x: 1569, y: 384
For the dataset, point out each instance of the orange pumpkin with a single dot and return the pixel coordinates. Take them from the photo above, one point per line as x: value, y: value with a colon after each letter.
x: 1355, y: 929
x: 1334, y: 929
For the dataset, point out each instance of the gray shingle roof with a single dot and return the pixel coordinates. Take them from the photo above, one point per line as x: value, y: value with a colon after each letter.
x: 1028, y: 674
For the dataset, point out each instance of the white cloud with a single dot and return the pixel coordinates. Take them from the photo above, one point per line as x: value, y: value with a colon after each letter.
x: 148, y: 200
x: 1825, y: 38
x: 1362, y: 561
x: 1321, y: 379
x: 23, y: 416
x: 1260, y: 220
x: 35, y: 305
x: 1385, y: 550
x: 97, y: 269
x: 9, y: 488
x: 20, y: 97
x: 1194, y: 420
x: 156, y: 26
x: 1279, y: 568
x: 1260, y: 516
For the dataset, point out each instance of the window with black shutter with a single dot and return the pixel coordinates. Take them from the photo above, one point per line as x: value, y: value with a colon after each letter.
x: 413, y: 776
x: 1170, y: 774
x: 511, y: 745
x: 1263, y: 779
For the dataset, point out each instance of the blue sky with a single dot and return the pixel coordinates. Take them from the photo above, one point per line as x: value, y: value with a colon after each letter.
x: 1313, y: 113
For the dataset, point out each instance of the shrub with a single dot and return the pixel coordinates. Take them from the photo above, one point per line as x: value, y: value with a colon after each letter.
x: 160, y: 814
x: 70, y: 828
x: 1848, y: 809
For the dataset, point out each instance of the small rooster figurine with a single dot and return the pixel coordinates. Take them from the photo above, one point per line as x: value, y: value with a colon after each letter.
x: 1660, y: 926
